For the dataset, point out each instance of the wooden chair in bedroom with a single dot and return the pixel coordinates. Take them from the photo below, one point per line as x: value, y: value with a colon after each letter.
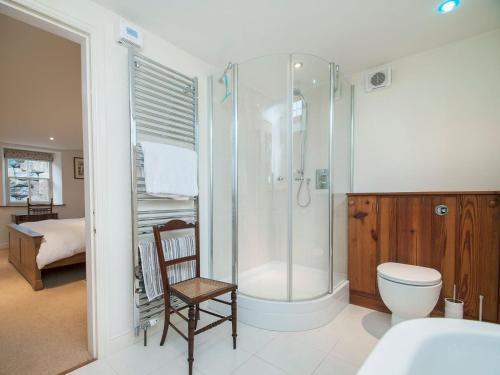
x: 40, y: 208
x: 192, y: 291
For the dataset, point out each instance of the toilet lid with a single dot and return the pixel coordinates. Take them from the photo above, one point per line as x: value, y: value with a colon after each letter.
x: 408, y: 274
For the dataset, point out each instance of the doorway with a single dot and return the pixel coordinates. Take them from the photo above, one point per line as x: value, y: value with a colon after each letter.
x: 51, y: 166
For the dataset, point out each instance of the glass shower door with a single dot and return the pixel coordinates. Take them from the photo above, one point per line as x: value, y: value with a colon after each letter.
x: 275, y: 140
x: 221, y: 89
x: 310, y: 185
x: 342, y: 160
x: 263, y: 117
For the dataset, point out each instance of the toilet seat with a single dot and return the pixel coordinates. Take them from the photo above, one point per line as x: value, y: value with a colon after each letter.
x: 408, y: 274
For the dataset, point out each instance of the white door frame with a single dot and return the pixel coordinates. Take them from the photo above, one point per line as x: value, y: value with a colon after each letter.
x: 93, y: 118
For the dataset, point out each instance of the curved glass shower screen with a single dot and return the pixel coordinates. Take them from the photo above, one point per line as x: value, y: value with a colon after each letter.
x: 272, y: 125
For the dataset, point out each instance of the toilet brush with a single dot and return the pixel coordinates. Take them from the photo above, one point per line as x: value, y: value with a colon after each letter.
x: 453, y: 307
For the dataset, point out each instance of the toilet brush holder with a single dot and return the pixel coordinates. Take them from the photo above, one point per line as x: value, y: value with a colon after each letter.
x: 453, y: 308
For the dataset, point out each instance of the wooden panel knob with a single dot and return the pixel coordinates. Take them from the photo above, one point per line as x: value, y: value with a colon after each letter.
x: 493, y: 202
x: 360, y: 215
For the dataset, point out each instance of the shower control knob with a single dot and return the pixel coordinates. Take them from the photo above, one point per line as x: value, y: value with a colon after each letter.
x: 281, y: 178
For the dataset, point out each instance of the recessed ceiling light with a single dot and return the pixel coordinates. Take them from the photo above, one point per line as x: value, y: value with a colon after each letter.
x: 298, y: 65
x: 51, y: 138
x: 448, y: 6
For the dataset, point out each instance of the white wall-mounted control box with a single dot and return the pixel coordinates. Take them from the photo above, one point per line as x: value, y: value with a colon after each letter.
x: 129, y: 33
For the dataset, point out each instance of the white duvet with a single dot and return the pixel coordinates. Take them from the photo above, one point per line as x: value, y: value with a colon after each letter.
x: 61, y: 239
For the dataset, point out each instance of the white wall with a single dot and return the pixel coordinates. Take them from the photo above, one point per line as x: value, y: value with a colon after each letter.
x: 437, y: 127
x: 111, y: 171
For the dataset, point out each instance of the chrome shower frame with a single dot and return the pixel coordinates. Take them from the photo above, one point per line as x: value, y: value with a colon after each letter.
x: 334, y: 79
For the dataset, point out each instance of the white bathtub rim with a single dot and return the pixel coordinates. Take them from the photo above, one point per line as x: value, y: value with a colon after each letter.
x: 407, y: 337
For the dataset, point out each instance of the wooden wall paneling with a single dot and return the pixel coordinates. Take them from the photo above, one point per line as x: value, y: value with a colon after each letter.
x: 478, y: 257
x: 463, y: 245
x: 387, y: 229
x: 468, y: 254
x: 363, y: 244
x: 368, y: 301
x: 440, y: 254
x: 489, y: 254
x: 414, y: 230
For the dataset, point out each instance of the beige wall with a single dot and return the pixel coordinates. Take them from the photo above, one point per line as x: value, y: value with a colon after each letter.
x: 40, y: 90
x: 437, y: 127
x: 73, y: 189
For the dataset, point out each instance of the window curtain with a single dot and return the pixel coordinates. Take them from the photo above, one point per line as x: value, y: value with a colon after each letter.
x: 10, y: 153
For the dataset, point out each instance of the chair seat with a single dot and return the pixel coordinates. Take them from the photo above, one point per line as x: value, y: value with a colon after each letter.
x: 199, y: 289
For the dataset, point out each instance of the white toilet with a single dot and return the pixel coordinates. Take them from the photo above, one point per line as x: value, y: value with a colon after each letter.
x: 408, y: 291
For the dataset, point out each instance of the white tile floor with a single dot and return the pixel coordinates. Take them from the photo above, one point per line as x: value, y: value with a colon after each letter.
x: 338, y: 348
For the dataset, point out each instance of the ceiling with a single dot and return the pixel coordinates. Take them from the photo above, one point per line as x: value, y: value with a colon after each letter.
x: 357, y: 34
x: 40, y: 90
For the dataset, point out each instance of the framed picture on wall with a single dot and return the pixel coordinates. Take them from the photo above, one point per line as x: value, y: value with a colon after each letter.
x: 78, y: 168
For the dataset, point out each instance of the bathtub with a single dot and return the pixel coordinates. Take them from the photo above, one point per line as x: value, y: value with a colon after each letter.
x: 436, y: 346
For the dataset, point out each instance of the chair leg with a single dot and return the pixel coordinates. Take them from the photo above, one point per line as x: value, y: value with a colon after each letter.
x: 165, y: 327
x: 197, y: 312
x: 191, y: 329
x: 234, y: 317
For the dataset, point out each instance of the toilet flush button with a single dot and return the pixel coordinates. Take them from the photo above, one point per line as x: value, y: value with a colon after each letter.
x: 441, y: 210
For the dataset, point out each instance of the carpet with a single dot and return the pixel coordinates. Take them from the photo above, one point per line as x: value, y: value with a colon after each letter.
x: 43, y: 332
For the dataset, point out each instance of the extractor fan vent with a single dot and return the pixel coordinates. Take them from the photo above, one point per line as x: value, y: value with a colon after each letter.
x: 378, y: 79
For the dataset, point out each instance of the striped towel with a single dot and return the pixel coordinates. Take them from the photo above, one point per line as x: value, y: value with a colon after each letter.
x: 173, y: 248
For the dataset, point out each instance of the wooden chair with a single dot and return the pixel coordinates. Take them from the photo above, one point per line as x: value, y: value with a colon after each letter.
x: 192, y: 291
x: 40, y: 208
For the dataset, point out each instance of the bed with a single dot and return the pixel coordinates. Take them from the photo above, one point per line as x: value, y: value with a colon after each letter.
x: 40, y: 245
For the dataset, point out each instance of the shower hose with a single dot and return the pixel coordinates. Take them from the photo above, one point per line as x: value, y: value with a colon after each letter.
x: 308, y: 202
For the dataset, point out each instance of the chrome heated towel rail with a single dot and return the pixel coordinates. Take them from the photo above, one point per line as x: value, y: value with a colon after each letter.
x: 163, y: 109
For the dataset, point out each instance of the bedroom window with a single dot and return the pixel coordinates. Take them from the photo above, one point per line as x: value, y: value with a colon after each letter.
x: 28, y: 176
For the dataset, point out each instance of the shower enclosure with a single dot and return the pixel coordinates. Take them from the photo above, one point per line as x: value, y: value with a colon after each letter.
x: 281, y: 129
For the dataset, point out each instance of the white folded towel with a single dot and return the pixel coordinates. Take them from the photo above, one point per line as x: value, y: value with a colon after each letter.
x: 170, y: 171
